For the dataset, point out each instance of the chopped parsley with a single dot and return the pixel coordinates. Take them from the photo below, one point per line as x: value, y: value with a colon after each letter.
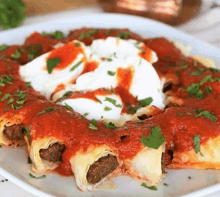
x: 206, y: 114
x: 21, y: 94
x: 75, y: 66
x: 199, y: 72
x: 196, y: 143
x: 28, y: 84
x: 6, y: 96
x: 15, y: 107
x: 111, y: 73
x: 107, y: 108
x: 11, y: 100
x: 165, y: 184
x: 184, y: 67
x: 179, y: 114
x: 123, y: 35
x: 146, y: 101
x: 209, y: 90
x: 110, y: 125
x: 76, y: 44
x: 34, y: 177
x: 57, y: 35
x: 88, y: 34
x: 48, y: 109
x: 92, y: 124
x: 27, y: 133
x: 133, y: 110
x: 139, y: 121
x: 86, y: 114
x: 155, y: 138
x: 112, y: 101
x: 51, y: 63
x: 20, y: 102
x: 194, y: 88
x: 67, y: 106
x: 30, y: 56
x: 149, y: 187
x: 3, y: 47
x: 16, y: 55
x: 214, y: 70
x: 195, y: 63
x: 109, y: 59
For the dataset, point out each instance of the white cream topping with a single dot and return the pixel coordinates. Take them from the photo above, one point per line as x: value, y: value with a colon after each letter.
x: 112, y: 55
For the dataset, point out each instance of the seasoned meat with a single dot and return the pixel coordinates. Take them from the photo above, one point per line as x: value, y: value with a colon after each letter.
x: 53, y: 153
x: 101, y: 168
x: 14, y: 132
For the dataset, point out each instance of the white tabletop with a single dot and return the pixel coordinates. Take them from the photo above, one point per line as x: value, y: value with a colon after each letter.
x: 205, y: 26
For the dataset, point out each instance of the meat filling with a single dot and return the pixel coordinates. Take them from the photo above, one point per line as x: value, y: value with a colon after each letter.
x: 53, y: 153
x: 14, y: 132
x: 101, y: 168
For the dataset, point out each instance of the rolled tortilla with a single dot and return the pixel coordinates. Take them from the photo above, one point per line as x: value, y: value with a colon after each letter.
x: 40, y: 165
x: 209, y: 159
x: 82, y: 161
x: 6, y: 121
x: 146, y: 166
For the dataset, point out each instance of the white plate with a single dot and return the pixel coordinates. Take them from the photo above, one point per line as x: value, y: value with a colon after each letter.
x: 13, y: 163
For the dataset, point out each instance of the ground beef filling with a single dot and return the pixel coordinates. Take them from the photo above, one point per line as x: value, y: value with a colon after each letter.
x: 101, y: 168
x: 14, y: 132
x: 53, y: 153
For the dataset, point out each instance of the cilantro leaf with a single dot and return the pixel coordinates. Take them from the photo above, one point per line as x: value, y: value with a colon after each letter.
x: 5, y: 97
x: 57, y: 35
x: 196, y: 143
x: 133, y: 110
x: 155, y: 138
x: 88, y: 34
x: 51, y: 63
x: 16, y: 55
x: 107, y: 108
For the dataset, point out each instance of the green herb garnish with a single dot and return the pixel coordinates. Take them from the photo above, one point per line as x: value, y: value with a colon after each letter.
x: 149, y: 187
x: 110, y: 125
x: 67, y: 106
x: 16, y: 55
x: 92, y: 124
x: 48, y: 109
x: 111, y: 73
x: 123, y: 35
x: 34, y: 177
x: 107, y: 108
x: 196, y: 143
x: 155, y: 138
x: 112, y: 101
x: 3, y: 47
x: 57, y: 35
x: 51, y: 63
x: 88, y: 34
x: 75, y: 66
x: 28, y: 84
x: 206, y: 114
x: 146, y: 101
x: 5, y: 97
